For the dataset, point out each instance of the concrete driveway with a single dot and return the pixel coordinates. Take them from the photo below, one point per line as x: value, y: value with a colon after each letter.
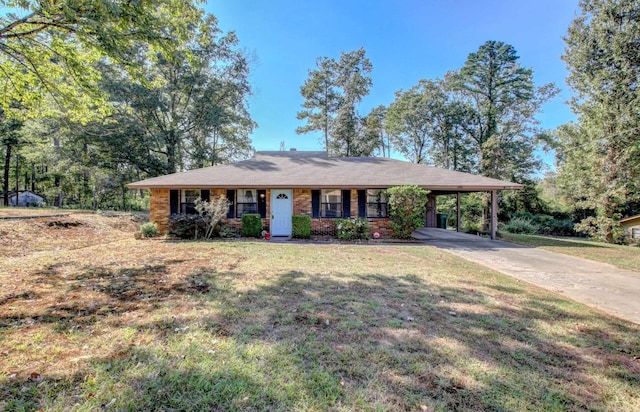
x: 599, y: 285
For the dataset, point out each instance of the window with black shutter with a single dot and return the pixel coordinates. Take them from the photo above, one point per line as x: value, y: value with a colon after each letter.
x: 362, y: 203
x: 262, y: 203
x: 231, y: 199
x: 174, y: 201
x: 346, y: 203
x: 315, y: 204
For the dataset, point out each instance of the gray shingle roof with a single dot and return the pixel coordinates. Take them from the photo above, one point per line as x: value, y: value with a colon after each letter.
x: 299, y: 169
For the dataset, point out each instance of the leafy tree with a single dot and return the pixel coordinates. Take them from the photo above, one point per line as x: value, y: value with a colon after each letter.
x: 51, y: 47
x: 331, y: 94
x: 504, y: 100
x: 321, y: 99
x: 407, y: 208
x: 599, y: 158
x: 409, y: 122
x: 374, y: 131
x: 190, y: 111
x: 425, y: 124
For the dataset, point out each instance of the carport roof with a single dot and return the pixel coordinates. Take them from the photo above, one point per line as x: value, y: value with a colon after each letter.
x: 315, y: 170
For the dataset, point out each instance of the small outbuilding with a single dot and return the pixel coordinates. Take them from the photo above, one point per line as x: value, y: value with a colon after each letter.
x: 280, y: 184
x: 25, y: 198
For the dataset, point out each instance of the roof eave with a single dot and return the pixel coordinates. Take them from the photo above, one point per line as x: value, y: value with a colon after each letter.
x: 447, y: 188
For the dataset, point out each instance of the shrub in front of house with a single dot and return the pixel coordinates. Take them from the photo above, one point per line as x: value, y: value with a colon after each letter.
x: 212, y: 211
x: 301, y: 226
x: 187, y: 226
x: 352, y: 228
x: 521, y: 225
x: 149, y: 229
x: 228, y: 232
x: 251, y: 225
x: 407, y: 208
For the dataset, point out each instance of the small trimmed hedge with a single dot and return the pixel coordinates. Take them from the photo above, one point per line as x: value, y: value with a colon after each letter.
x: 251, y: 225
x: 301, y: 226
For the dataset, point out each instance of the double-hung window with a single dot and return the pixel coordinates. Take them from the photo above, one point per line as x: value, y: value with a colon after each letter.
x: 331, y: 203
x: 377, y: 203
x: 188, y: 198
x: 247, y: 201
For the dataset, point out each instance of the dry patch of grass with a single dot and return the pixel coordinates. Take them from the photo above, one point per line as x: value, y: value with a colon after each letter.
x: 31, y: 211
x: 623, y: 257
x: 72, y: 231
x: 142, y: 325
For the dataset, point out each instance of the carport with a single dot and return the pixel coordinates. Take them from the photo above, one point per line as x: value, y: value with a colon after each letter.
x: 431, y: 218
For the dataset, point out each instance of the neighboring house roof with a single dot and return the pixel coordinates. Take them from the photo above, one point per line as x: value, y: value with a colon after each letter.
x: 299, y: 169
x: 631, y: 219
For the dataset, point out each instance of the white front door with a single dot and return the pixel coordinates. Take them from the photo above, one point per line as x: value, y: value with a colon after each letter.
x: 281, y: 212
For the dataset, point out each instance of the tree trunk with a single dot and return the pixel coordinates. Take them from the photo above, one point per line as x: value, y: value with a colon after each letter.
x: 7, y: 168
x: 17, y: 180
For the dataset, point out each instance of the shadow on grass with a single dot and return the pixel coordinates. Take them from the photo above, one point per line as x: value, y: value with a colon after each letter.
x: 314, y: 342
x: 92, y: 293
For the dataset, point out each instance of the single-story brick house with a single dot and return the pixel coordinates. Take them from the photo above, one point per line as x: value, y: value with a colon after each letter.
x: 631, y: 226
x: 280, y: 184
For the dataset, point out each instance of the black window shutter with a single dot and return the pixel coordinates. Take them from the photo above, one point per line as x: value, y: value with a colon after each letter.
x: 362, y: 203
x: 174, y: 199
x: 262, y: 203
x: 231, y: 198
x: 315, y: 204
x: 205, y: 194
x: 346, y: 203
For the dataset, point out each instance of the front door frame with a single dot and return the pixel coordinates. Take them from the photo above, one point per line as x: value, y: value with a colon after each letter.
x: 285, y: 229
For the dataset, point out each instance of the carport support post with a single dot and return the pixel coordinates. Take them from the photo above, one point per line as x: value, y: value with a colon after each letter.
x: 494, y: 214
x: 458, y: 214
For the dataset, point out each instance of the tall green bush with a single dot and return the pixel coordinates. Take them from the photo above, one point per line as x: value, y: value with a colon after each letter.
x: 407, y: 209
x: 301, y: 226
x: 251, y: 225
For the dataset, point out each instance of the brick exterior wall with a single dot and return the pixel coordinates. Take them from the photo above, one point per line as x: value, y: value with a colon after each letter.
x: 302, y: 202
x: 160, y: 209
x: 236, y: 223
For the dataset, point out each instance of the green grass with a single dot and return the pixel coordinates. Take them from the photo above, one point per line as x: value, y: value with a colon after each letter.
x: 151, y: 325
x: 623, y: 257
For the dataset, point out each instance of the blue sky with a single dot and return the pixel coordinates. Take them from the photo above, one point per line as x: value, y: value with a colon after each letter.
x: 406, y: 40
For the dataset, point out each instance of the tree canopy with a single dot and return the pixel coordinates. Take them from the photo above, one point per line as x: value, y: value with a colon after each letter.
x: 504, y: 102
x: 51, y: 48
x: 332, y: 92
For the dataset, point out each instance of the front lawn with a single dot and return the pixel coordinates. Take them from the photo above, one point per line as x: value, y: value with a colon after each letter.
x: 623, y: 257
x: 156, y: 325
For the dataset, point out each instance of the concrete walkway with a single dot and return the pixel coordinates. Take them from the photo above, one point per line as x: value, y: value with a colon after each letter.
x: 599, y: 285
